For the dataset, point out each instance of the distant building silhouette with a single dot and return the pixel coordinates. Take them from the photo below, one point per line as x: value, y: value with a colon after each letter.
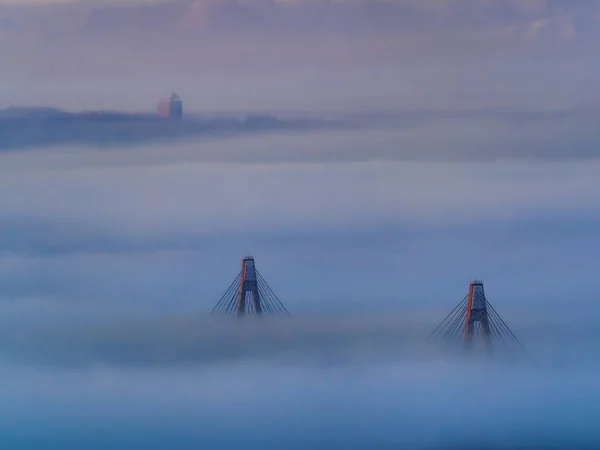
x: 170, y: 107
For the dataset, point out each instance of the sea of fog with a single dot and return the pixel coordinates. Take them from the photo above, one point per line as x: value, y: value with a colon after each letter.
x: 308, y: 381
x: 111, y: 259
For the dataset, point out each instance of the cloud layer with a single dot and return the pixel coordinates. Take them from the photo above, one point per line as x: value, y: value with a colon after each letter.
x: 410, y: 177
x: 163, y: 228
x: 556, y: 17
x: 357, y: 381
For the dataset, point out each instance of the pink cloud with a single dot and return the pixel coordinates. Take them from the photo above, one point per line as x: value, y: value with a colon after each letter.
x: 562, y: 26
x: 197, y: 13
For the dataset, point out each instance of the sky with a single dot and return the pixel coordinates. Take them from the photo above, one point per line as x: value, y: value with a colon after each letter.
x: 472, y: 154
x: 307, y: 54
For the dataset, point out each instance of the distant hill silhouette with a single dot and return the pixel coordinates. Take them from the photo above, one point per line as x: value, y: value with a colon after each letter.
x: 45, y: 126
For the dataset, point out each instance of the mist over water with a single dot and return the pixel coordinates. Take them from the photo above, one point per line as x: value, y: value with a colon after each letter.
x: 361, y: 380
x: 112, y: 260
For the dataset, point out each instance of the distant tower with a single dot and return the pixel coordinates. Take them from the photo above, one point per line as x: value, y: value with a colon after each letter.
x: 475, y: 318
x: 170, y: 107
x: 249, y: 294
x: 176, y: 106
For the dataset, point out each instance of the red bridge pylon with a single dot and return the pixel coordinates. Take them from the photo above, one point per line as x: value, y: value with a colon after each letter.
x: 249, y: 294
x: 474, y: 318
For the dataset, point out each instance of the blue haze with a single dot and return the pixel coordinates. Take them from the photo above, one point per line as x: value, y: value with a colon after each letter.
x: 470, y: 149
x: 111, y: 261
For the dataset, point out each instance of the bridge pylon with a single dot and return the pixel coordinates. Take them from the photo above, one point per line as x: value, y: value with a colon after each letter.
x: 249, y: 293
x: 473, y: 320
